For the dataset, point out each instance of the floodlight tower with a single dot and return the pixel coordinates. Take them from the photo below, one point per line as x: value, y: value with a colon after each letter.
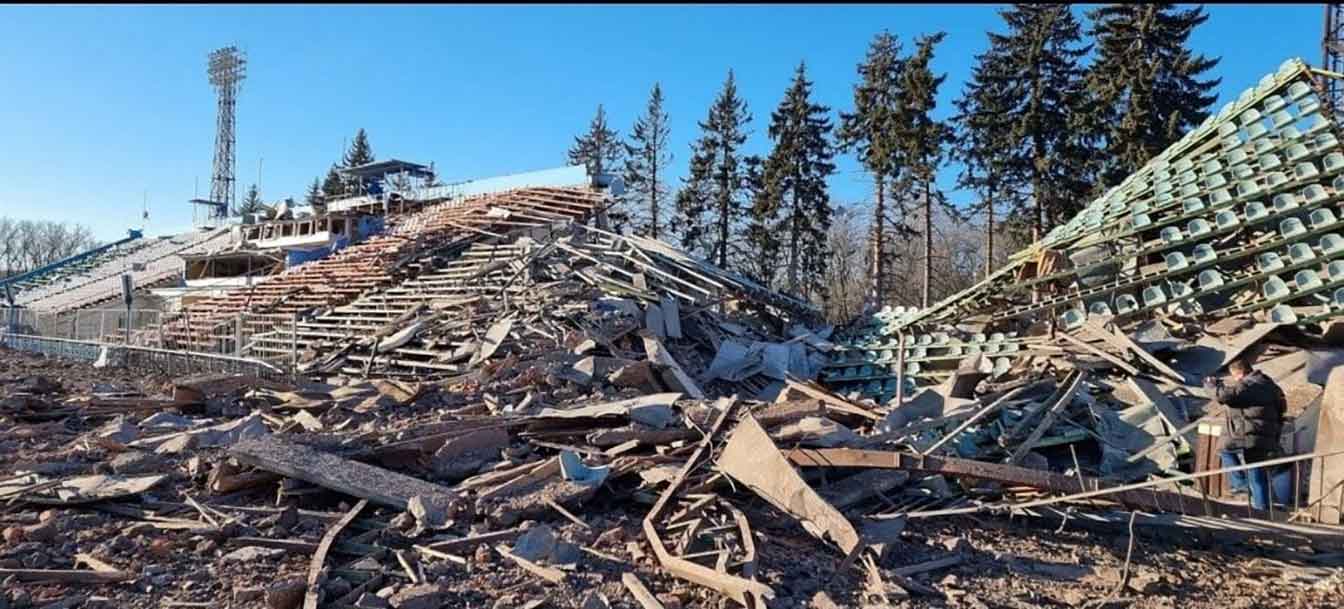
x: 1332, y: 56
x: 226, y: 70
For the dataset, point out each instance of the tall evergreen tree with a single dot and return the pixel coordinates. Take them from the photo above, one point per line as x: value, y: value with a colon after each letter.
x: 795, y: 174
x: 922, y: 140
x: 251, y: 202
x: 1146, y: 82
x: 984, y: 145
x: 314, y: 194
x: 870, y: 131
x: 599, y: 148
x: 1039, y: 67
x: 333, y: 185
x: 646, y: 163
x: 360, y: 152
x: 711, y: 206
x: 762, y: 232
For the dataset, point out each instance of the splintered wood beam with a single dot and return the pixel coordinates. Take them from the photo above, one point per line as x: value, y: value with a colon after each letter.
x: 1146, y: 498
x: 378, y: 485
x: 314, y: 592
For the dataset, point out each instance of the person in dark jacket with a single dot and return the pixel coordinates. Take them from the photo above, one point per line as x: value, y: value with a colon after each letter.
x: 1255, y: 410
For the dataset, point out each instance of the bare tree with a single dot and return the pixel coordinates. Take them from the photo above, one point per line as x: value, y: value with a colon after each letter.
x: 27, y: 244
x: 846, y: 276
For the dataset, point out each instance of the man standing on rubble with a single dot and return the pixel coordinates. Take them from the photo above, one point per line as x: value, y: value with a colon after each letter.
x: 1255, y: 409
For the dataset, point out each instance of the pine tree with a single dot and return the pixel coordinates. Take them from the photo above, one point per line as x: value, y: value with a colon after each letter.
x: 314, y: 195
x: 711, y: 205
x: 333, y: 186
x: 646, y: 162
x: 870, y: 131
x: 1039, y: 66
x: 251, y: 202
x: 921, y: 141
x: 599, y: 148
x: 315, y: 199
x: 761, y: 235
x: 360, y: 153
x: 984, y: 146
x: 1146, y: 81
x: 795, y: 176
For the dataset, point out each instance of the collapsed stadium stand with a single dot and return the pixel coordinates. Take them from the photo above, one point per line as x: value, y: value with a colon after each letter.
x: 210, y: 324
x: 90, y: 279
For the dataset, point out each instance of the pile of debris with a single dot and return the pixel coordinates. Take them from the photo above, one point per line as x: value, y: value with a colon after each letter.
x: 605, y: 493
x: 555, y: 415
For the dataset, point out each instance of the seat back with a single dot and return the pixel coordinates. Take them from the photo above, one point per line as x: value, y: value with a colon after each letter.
x: 1125, y: 304
x: 1300, y: 253
x: 1274, y: 288
x: 1210, y: 279
x: 1268, y: 261
x: 1307, y: 279
x: 1153, y: 296
x: 1204, y: 253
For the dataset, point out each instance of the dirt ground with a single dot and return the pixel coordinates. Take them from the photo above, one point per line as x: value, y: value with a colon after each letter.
x: 1009, y: 563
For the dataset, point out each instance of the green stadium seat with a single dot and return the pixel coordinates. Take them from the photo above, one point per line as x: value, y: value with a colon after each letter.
x: 1307, y: 279
x: 1283, y: 314
x: 1210, y: 279
x: 1331, y: 244
x: 1275, y: 288
x: 1226, y: 219
x: 1335, y: 270
x: 1198, y: 227
x: 1204, y: 254
x: 1268, y: 262
x: 1175, y: 261
x: 1154, y: 296
x: 1300, y: 253
x: 1305, y: 171
x: 1291, y: 227
x: 1125, y: 304
x: 1284, y: 202
x: 1321, y: 218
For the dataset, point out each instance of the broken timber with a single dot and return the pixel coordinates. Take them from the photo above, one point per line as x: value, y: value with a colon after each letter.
x: 747, y: 593
x: 378, y: 485
x: 1147, y: 499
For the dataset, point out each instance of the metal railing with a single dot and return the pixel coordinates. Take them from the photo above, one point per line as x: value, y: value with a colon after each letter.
x: 142, y: 339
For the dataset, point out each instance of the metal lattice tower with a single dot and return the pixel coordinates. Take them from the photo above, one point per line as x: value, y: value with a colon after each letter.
x: 1332, y: 56
x: 227, y: 68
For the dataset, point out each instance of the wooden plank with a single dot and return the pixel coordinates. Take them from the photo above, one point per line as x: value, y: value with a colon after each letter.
x: 467, y: 543
x: 310, y: 597
x: 380, y: 486
x: 641, y: 593
x: 550, y: 574
x: 1075, y: 382
x: 1141, y: 495
x: 1123, y: 342
x: 67, y: 576
x: 1082, y: 344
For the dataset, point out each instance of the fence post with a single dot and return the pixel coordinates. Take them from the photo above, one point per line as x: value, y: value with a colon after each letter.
x: 294, y: 346
x: 238, y: 335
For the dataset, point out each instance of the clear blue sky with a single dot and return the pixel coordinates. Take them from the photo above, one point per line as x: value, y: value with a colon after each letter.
x: 100, y: 104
